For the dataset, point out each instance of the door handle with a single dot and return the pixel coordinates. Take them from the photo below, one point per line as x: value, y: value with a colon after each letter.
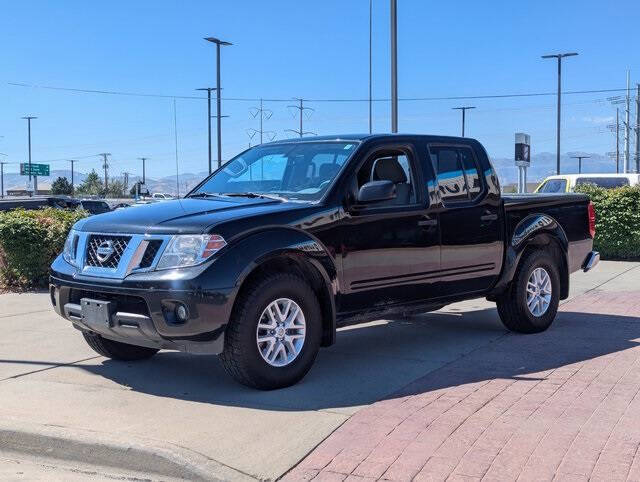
x: 427, y: 221
x: 489, y: 217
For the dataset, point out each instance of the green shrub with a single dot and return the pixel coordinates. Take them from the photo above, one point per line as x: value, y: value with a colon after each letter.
x: 30, y: 241
x: 617, y: 220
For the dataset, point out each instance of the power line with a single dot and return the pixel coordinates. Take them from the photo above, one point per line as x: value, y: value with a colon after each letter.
x: 254, y: 99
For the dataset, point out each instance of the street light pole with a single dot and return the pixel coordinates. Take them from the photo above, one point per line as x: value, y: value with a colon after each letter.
x: 580, y: 162
x: 72, y: 161
x: 2, y: 178
x: 143, y: 159
x: 394, y: 66
x: 28, y: 118
x: 218, y: 43
x: 559, y: 57
x: 463, y: 109
x: 209, y: 89
x: 370, y: 65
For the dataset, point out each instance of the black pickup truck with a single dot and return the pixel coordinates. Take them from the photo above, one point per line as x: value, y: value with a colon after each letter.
x: 289, y: 240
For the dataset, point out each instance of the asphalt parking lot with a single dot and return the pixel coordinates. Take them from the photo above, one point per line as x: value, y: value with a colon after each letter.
x: 66, y: 412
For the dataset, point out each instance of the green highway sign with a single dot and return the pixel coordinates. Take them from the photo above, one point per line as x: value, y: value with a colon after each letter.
x: 36, y: 169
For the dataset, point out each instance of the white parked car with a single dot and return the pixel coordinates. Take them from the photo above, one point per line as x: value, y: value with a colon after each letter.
x: 160, y: 195
x: 568, y: 182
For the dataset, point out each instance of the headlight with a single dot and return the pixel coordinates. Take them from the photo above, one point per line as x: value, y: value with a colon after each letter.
x: 189, y: 250
x: 70, y: 247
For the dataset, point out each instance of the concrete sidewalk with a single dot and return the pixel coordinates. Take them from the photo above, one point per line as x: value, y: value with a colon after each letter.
x: 189, y: 406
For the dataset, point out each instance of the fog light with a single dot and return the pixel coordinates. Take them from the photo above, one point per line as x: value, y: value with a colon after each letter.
x: 181, y: 313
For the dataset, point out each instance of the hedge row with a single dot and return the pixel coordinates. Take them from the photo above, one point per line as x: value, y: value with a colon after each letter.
x: 617, y: 220
x: 30, y: 241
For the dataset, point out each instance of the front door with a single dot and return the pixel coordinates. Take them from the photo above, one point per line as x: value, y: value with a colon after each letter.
x: 390, y: 249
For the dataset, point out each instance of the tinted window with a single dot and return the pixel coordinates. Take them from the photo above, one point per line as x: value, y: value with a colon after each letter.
x: 458, y: 173
x: 554, y: 185
x: 606, y: 182
x: 96, y: 207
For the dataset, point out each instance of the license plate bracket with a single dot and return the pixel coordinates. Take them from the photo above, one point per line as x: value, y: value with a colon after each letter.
x: 97, y: 312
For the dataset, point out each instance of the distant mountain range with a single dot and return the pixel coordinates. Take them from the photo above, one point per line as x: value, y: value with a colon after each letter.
x: 542, y: 165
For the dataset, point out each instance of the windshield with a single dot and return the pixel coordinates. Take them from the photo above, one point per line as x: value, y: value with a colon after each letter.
x: 554, y: 185
x: 302, y: 171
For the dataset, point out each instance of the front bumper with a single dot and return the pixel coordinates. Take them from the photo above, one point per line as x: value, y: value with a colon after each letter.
x: 143, y: 313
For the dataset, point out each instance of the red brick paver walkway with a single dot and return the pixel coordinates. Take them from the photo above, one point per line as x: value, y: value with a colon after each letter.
x: 562, y: 405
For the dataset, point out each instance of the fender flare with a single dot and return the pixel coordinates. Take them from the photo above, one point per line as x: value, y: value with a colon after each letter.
x: 533, y: 230
x: 257, y: 248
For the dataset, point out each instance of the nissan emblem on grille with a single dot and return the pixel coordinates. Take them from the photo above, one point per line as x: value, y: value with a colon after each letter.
x: 104, y: 251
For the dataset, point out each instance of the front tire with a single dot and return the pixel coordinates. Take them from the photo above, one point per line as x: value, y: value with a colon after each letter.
x: 274, y: 334
x: 117, y: 350
x: 530, y: 304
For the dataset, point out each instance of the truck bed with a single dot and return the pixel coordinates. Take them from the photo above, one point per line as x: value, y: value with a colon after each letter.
x: 514, y: 202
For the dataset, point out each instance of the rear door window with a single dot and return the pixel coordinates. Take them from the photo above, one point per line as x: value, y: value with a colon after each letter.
x: 458, y: 173
x: 606, y: 182
x: 554, y: 185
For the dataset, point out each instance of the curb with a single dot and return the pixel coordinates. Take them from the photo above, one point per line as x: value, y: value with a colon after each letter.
x: 106, y: 450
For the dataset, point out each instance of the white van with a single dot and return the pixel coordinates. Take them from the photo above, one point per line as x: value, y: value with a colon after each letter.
x: 568, y: 182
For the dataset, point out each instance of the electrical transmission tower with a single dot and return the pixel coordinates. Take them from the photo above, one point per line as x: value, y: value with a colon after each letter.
x: 262, y: 114
x: 302, y: 110
x: 126, y: 181
x: 105, y: 165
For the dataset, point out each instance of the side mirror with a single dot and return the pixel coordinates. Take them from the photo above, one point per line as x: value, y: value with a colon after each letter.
x: 376, y: 191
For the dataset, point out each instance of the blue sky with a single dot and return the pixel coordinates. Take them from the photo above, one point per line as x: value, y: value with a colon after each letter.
x: 311, y: 49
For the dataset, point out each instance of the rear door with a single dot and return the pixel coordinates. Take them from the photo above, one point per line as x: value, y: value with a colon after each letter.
x: 471, y: 218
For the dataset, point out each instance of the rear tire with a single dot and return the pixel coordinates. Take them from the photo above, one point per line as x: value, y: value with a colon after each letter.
x: 252, y: 362
x: 117, y: 350
x: 526, y: 306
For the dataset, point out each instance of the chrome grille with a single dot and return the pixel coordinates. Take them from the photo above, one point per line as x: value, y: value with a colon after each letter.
x: 118, y: 243
x: 150, y: 253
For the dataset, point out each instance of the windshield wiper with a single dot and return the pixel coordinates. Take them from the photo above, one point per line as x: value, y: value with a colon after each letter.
x: 275, y: 197
x: 204, y: 194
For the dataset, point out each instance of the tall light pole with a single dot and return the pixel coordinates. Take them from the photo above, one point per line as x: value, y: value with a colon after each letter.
x: 559, y: 57
x: 2, y: 176
x: 209, y: 89
x: 370, y: 66
x: 218, y: 43
x: 394, y: 66
x: 144, y: 160
x: 72, y: 161
x: 580, y: 162
x: 29, y: 118
x: 463, y: 109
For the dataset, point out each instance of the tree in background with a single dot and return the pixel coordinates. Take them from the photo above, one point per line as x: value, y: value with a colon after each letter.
x: 62, y: 186
x: 115, y: 189
x: 91, y: 186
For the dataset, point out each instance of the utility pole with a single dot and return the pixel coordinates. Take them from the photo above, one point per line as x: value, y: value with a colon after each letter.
x: 2, y: 179
x: 105, y: 165
x: 638, y: 128
x: 301, y: 108
x: 209, y: 89
x: 370, y: 66
x: 144, y: 159
x: 463, y: 110
x: 627, y: 125
x: 35, y: 182
x: 394, y: 66
x: 262, y: 114
x: 580, y: 162
x: 72, y: 161
x: 617, y: 140
x: 559, y: 57
x: 218, y: 43
x: 126, y: 182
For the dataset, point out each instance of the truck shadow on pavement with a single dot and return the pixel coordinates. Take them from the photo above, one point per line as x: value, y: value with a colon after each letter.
x: 388, y: 359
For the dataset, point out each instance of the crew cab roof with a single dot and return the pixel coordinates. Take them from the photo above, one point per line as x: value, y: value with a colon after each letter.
x: 365, y: 137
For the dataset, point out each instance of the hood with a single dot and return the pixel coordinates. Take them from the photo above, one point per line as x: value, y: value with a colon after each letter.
x: 182, y: 216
